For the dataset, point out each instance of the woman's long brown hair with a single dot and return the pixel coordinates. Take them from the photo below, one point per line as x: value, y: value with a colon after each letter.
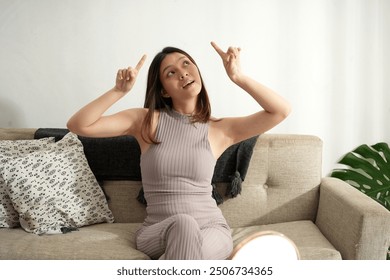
x: 155, y: 101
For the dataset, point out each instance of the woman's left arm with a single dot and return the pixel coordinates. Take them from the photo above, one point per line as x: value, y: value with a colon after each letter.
x: 275, y: 108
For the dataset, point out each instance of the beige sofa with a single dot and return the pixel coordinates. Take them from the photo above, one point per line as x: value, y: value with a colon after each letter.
x: 283, y: 191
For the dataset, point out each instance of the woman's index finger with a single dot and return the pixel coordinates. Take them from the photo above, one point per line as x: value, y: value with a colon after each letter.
x: 141, y: 62
x: 218, y: 49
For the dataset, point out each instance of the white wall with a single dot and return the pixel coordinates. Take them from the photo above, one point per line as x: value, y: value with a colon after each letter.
x: 329, y: 58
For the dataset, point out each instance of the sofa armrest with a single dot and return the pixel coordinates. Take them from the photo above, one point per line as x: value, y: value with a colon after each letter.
x: 354, y: 223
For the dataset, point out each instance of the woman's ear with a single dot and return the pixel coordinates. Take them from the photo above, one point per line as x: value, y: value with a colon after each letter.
x: 164, y: 94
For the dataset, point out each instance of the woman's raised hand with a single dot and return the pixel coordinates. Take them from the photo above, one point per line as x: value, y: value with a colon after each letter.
x: 125, y: 78
x: 231, y: 61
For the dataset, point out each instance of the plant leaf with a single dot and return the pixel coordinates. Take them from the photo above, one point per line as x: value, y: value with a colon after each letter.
x: 369, y: 153
x: 355, y: 162
x: 368, y: 170
x: 370, y: 187
x: 352, y: 175
x: 384, y: 148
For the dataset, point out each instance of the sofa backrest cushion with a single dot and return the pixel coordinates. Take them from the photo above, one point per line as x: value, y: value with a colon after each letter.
x: 282, y: 183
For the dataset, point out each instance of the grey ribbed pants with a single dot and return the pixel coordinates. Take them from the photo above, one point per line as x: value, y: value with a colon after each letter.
x: 180, y: 238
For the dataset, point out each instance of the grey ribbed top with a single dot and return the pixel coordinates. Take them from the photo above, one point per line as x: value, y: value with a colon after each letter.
x: 177, y: 173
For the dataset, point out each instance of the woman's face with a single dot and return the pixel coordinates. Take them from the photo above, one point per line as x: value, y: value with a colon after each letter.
x: 180, y: 77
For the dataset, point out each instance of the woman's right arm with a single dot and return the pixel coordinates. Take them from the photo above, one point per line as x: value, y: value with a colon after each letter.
x: 89, y: 120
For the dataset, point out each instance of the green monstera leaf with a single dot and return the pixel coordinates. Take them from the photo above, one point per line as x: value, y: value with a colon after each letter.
x: 369, y: 171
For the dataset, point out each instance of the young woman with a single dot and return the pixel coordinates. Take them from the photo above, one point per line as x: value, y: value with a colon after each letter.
x: 180, y: 143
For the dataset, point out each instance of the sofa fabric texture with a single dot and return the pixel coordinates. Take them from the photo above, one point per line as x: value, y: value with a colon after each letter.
x: 283, y: 191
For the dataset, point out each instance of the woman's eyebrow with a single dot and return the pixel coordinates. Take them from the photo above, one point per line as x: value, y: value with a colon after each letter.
x: 182, y: 57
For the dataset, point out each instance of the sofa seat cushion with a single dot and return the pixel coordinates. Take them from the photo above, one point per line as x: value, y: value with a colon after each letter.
x: 94, y: 242
x: 311, y: 243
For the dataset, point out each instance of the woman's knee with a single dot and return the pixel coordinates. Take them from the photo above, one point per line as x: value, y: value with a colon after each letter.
x: 217, y: 243
x: 184, y: 223
x: 183, y: 239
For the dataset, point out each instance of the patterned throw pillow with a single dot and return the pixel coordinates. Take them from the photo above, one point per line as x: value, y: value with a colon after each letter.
x: 54, y: 190
x: 11, y: 149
